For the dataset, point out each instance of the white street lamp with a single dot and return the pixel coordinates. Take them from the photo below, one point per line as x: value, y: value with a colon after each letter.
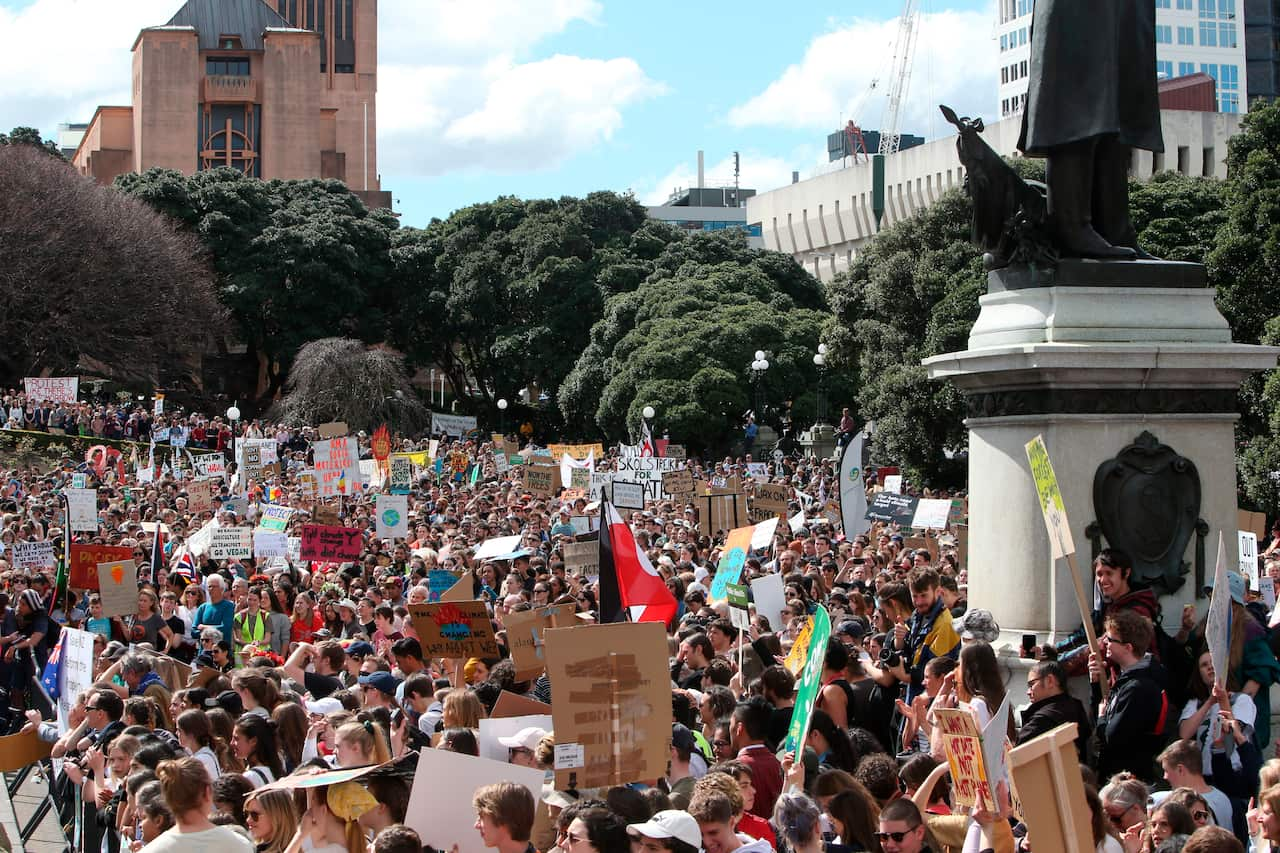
x: 648, y: 413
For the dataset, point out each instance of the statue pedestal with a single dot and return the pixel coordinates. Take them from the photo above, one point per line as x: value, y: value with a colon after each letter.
x: 1090, y: 368
x: 820, y: 441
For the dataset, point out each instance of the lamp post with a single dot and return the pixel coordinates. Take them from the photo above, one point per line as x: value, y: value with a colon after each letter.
x: 820, y: 362
x: 502, y: 415
x: 233, y: 415
x: 758, y: 368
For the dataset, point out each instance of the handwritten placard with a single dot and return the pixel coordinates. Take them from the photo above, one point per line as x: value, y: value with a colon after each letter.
x: 326, y: 542
x: 231, y: 543
x: 540, y: 480
x: 460, y: 629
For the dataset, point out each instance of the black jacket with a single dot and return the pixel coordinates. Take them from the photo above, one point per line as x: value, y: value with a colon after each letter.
x: 1047, y: 714
x: 1131, y: 730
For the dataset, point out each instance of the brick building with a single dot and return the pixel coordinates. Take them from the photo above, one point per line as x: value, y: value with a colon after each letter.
x: 279, y: 89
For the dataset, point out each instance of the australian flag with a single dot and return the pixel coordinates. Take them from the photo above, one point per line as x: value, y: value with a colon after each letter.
x: 53, y: 668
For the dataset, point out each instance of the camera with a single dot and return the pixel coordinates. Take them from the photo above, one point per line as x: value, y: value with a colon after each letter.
x: 890, y: 657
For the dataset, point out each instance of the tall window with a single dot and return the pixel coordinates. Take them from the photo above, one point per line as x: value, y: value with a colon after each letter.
x: 1184, y: 5
x: 1186, y: 35
x: 1164, y: 69
x: 1185, y: 68
x: 1227, y: 34
x: 1164, y: 34
x: 1162, y: 4
x: 1208, y: 34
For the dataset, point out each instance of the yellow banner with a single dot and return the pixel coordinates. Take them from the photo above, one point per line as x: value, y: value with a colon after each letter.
x: 577, y: 451
x: 421, y: 458
x: 1055, y: 512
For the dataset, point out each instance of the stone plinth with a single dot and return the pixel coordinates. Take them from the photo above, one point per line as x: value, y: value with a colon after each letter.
x: 820, y: 441
x: 1089, y: 369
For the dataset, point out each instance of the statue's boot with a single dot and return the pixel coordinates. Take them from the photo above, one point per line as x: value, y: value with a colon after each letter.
x: 1111, y: 195
x: 1070, y: 177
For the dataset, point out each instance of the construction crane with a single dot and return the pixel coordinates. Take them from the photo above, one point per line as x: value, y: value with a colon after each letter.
x: 900, y: 76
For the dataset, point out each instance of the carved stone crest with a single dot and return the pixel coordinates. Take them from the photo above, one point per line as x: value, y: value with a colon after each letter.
x: 1147, y: 501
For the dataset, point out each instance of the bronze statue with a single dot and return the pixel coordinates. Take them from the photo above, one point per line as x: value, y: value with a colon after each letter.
x: 1092, y: 99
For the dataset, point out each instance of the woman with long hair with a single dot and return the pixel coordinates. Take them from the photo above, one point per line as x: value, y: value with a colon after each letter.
x: 831, y: 743
x: 278, y: 622
x: 332, y: 821
x: 25, y: 643
x: 291, y: 728
x: 461, y: 709
x: 361, y: 743
x: 187, y: 791
x: 306, y: 619
x: 257, y: 692
x: 272, y: 818
x: 1200, y: 715
x: 223, y: 727
x: 855, y: 816
x: 254, y: 742
x: 195, y: 733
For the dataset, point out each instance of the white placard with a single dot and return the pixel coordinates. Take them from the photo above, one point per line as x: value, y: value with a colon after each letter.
x: 770, y: 597
x: 1267, y: 586
x: 337, y: 466
x: 570, y: 756
x: 893, y: 483
x: 931, y: 514
x: 76, y: 673
x: 495, y: 547
x: 1249, y: 556
x: 53, y: 389
x: 82, y: 505
x: 443, y: 815
x: 32, y: 555
x: 198, y: 542
x: 491, y: 730
x: 231, y: 542
x: 210, y: 466
x: 270, y: 543
x: 392, y: 516
x: 628, y: 495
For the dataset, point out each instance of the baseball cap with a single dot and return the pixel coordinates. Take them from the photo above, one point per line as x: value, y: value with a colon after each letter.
x: 979, y: 625
x: 327, y: 705
x: 526, y: 738
x: 854, y: 628
x: 671, y: 823
x: 227, y: 700
x: 361, y: 648
x: 382, y: 681
x: 682, y: 738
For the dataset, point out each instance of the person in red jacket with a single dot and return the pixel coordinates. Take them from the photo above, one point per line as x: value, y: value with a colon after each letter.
x: 749, y: 729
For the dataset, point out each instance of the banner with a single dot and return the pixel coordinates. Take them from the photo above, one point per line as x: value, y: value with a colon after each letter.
x: 52, y: 389
x: 853, y: 491
x: 231, y: 542
x: 579, y: 452
x: 809, y: 681
x: 893, y: 508
x: 337, y: 467
x: 82, y: 509
x: 457, y: 425
x: 85, y: 560
x: 459, y: 629
x: 334, y: 544
x: 392, y: 516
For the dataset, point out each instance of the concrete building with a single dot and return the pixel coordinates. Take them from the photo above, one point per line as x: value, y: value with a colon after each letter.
x: 704, y: 208
x: 1191, y: 36
x: 824, y: 221
x: 69, y: 136
x: 286, y: 89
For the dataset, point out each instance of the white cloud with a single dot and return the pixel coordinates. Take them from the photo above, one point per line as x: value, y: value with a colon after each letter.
x: 759, y: 172
x: 460, y: 87
x: 955, y: 63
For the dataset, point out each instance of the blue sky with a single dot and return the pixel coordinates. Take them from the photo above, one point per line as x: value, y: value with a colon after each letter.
x: 479, y: 98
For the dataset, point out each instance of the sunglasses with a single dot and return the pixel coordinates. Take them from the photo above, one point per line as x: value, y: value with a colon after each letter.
x: 251, y: 814
x: 896, y: 836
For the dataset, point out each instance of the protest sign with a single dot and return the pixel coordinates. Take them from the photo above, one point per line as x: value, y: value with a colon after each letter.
x: 501, y: 462
x: 675, y: 451
x: 931, y: 514
x: 739, y: 606
x: 200, y: 496
x: 732, y: 558
x: 627, y: 495
x: 457, y: 425
x: 758, y: 471
x: 959, y: 511
x: 677, y: 482
x: 370, y: 473
x: 893, y: 484
x: 579, y: 452
x: 85, y: 560
x: 52, y: 389
x: 443, y: 814
x: 1267, y: 586
x: 770, y: 597
x: 22, y: 750
x: 525, y: 640
x: 326, y: 514
x: 582, y: 558
x: 75, y: 671
x: 491, y: 729
x: 721, y: 512
x: 326, y: 542
x: 274, y: 517
x: 337, y: 467
x: 1046, y: 773
x: 401, y: 478
x: 770, y: 501
x: 210, y: 466
x: 1249, y: 556
x: 270, y: 543
x: 808, y: 681
x: 892, y: 508
x: 456, y: 629
x: 613, y: 700
x: 32, y: 555
x: 1217, y: 628
x: 392, y: 513
x: 333, y: 429
x: 1253, y: 521
x: 515, y: 705
x: 584, y: 524
x: 82, y: 506
x: 79, y: 480
x: 231, y: 542
x: 540, y: 480
x: 977, y: 757
x: 579, y: 479
x: 496, y: 548
x: 799, y: 653
x: 440, y: 581
x: 118, y: 586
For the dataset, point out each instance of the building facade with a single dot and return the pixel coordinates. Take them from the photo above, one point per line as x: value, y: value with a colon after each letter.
x: 1192, y: 36
x: 1262, y: 48
x: 286, y: 89
x: 823, y: 222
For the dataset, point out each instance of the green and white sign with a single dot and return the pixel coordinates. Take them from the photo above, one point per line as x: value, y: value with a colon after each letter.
x: 810, y: 682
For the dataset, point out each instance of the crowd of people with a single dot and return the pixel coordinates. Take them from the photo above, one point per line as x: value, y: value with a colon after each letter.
x: 300, y: 668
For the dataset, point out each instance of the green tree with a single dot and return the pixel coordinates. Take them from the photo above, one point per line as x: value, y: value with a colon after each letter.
x: 340, y: 379
x: 296, y: 261
x: 31, y: 136
x: 683, y: 339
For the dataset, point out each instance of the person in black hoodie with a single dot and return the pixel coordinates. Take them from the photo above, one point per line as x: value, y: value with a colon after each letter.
x: 1051, y: 706
x: 1131, y: 722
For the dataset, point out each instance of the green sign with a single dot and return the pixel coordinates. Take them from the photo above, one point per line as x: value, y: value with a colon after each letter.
x: 810, y: 682
x: 739, y: 605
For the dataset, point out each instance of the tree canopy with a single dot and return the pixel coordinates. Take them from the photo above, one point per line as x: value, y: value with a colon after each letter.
x: 30, y: 136
x: 91, y: 277
x: 339, y: 379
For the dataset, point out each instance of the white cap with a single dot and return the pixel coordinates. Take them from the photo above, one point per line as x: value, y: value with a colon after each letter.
x: 524, y: 739
x: 671, y: 823
x: 327, y: 705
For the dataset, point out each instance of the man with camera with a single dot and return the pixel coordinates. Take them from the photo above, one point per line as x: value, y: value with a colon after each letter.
x: 929, y: 634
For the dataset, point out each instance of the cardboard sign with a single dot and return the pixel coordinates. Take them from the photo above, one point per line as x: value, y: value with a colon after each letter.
x: 1249, y: 556
x: 118, y: 586
x: 579, y: 452
x: 1253, y: 521
x: 32, y: 555
x: 200, y: 496
x: 977, y: 757
x: 540, y: 480
x: 19, y: 751
x: 1267, y: 586
x: 582, y: 558
x: 1046, y: 774
x: 82, y: 507
x: 720, y: 513
x: 675, y: 451
x: 443, y: 814
x: 677, y: 482
x: 514, y: 705
x: 579, y: 479
x: 333, y: 429
x: 459, y: 629
x: 231, y: 543
x: 85, y: 560
x: 892, y: 508
x: 628, y: 495
x: 613, y: 695
x: 525, y: 636
x: 334, y: 544
x: 392, y: 514
x: 440, y: 581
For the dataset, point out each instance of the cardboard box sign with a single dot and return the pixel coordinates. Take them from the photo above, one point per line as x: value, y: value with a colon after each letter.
x: 334, y: 429
x: 540, y: 480
x: 612, y: 711
x: 19, y: 751
x: 525, y: 636
x: 334, y: 544
x: 459, y: 629
x: 675, y: 451
x: 118, y: 586
x: 582, y: 558
x: 721, y: 512
x: 677, y: 482
x: 1046, y: 774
